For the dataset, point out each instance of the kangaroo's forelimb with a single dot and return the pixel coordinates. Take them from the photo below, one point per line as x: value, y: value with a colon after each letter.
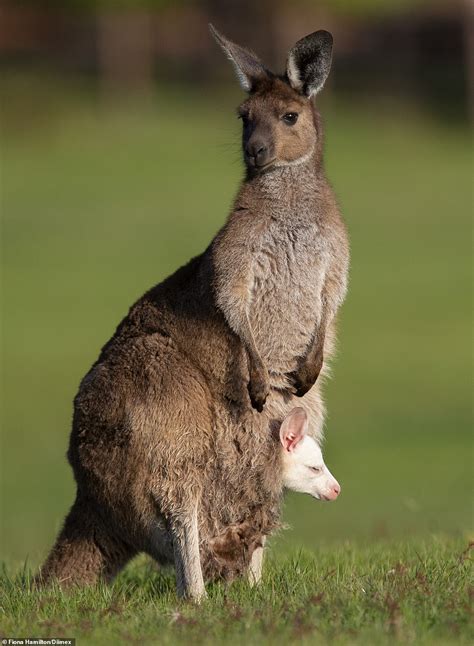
x: 234, y: 287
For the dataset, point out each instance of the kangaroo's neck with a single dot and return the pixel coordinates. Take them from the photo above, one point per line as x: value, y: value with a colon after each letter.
x: 288, y: 186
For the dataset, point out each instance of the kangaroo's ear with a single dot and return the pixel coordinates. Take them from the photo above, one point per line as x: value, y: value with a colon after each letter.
x: 247, y: 65
x: 309, y: 62
x: 293, y: 428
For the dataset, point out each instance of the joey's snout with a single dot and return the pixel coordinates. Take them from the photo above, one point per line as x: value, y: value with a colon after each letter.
x: 258, y: 153
x: 332, y: 492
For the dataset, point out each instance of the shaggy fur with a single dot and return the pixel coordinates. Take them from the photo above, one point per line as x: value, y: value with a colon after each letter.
x: 169, y: 453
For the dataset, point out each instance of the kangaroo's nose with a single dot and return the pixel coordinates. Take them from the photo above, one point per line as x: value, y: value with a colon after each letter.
x: 333, y: 492
x: 257, y: 152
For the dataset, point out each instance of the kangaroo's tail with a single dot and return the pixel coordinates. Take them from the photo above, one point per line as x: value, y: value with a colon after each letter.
x: 84, y: 552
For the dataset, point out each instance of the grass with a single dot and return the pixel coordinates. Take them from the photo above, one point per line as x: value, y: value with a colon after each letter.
x: 418, y: 593
x: 101, y: 202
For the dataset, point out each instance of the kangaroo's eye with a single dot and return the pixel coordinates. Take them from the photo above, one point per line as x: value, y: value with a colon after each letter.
x: 316, y: 469
x: 244, y: 117
x: 290, y: 118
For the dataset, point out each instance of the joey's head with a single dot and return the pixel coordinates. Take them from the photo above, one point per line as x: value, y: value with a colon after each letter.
x: 303, y: 465
x: 279, y: 123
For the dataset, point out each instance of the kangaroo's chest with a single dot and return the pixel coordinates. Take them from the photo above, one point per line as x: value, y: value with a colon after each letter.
x: 289, y: 269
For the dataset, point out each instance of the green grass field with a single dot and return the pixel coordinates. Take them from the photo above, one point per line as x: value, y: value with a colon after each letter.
x: 101, y: 203
x: 416, y: 593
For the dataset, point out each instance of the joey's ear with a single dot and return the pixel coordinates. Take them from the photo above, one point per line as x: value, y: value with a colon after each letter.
x: 247, y: 65
x: 293, y: 428
x: 309, y: 62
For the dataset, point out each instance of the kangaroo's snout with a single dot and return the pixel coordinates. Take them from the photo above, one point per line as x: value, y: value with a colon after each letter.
x: 257, y: 152
x: 333, y: 492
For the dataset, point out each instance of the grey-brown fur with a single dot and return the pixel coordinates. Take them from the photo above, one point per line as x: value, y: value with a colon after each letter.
x: 169, y: 453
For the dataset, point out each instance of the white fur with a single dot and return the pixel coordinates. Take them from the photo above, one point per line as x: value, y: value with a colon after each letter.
x: 297, y: 162
x: 303, y: 464
x: 293, y: 73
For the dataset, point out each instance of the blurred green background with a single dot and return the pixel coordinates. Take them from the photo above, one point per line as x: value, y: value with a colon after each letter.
x: 120, y: 159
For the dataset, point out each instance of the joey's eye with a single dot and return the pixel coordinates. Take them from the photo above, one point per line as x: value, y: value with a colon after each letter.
x: 244, y: 117
x: 316, y: 469
x: 290, y: 118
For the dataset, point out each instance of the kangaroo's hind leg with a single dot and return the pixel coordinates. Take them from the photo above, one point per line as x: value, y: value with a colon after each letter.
x: 178, y: 425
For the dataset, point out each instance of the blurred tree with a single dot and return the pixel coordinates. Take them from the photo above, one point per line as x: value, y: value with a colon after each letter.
x: 406, y: 47
x: 125, y: 49
x: 373, y: 7
x: 247, y: 22
x: 231, y: 6
x: 469, y: 49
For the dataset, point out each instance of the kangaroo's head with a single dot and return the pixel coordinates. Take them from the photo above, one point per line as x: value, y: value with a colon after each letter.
x: 280, y: 126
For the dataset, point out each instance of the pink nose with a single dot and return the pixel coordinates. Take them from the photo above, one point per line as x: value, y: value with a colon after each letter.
x: 334, y: 491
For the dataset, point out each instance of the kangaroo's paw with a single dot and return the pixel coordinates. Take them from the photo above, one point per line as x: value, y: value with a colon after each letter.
x: 304, y: 378
x: 259, y: 389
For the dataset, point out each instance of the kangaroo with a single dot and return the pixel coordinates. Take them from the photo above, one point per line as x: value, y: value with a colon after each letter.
x: 172, y: 441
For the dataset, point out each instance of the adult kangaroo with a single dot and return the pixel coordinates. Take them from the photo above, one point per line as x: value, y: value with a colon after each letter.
x: 173, y: 432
